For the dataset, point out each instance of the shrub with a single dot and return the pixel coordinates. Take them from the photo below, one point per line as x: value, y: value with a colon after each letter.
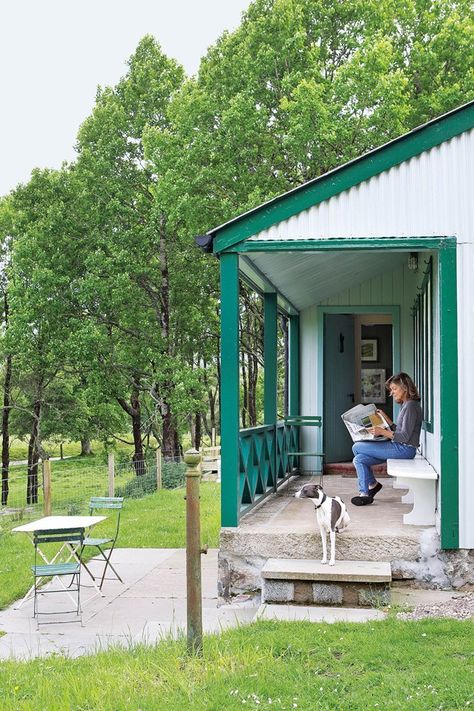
x: 172, y: 476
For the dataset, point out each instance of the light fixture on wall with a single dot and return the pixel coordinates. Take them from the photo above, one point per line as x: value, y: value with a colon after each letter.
x: 413, y: 261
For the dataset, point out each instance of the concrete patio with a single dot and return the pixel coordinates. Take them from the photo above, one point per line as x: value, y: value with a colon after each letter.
x: 149, y: 606
x: 151, y: 603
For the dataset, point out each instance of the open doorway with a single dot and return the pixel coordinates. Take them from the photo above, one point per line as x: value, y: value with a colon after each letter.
x: 358, y: 358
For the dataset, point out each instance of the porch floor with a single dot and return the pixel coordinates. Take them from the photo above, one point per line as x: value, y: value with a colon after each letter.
x: 283, y: 512
x: 285, y: 527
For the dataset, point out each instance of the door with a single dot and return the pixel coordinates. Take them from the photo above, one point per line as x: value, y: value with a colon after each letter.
x: 339, y: 384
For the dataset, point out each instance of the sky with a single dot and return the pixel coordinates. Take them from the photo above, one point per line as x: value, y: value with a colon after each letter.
x: 54, y: 54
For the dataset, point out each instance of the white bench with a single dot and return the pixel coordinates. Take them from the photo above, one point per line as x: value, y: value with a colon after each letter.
x: 420, y: 478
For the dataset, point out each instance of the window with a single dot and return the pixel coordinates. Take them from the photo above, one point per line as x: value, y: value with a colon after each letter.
x: 423, y: 345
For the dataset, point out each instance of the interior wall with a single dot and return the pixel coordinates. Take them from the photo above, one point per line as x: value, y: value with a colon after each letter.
x: 398, y: 287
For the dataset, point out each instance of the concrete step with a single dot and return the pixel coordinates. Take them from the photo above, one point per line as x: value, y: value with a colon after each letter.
x: 306, y: 581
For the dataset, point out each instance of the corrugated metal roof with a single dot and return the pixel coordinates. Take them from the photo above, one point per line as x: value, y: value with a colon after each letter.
x: 394, y: 152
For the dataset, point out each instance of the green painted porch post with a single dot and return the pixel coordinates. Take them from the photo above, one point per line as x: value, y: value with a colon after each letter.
x: 230, y: 499
x: 270, y: 358
x: 448, y: 397
x: 294, y: 366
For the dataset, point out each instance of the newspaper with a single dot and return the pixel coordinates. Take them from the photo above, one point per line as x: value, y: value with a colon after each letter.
x: 360, y: 418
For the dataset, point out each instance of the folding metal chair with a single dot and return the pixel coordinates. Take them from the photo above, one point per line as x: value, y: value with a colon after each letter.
x: 73, y: 538
x: 98, y: 503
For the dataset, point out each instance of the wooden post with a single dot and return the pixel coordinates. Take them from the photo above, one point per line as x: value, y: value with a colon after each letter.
x: 111, y: 474
x: 61, y: 454
x: 47, y: 487
x: 192, y: 459
x: 213, y: 437
x: 159, y: 483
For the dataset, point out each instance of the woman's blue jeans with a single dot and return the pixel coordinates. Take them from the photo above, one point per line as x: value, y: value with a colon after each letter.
x: 370, y: 452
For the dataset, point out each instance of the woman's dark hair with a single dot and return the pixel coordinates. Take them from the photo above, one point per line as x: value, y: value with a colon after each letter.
x: 407, y: 384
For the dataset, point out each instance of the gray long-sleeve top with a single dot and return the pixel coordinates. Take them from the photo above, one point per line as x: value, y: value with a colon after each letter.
x: 408, y: 427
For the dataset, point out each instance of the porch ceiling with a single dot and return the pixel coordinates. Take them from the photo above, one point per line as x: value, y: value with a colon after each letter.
x: 307, y: 278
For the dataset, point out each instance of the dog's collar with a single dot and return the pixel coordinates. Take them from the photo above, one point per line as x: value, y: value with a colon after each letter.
x: 322, y: 502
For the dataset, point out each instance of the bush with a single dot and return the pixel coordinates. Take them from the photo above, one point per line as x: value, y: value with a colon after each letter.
x: 172, y: 476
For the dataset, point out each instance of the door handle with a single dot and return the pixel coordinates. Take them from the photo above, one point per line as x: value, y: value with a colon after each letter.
x: 351, y: 395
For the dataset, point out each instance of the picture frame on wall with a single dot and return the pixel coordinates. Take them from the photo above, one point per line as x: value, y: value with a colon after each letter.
x: 372, y: 386
x: 369, y: 349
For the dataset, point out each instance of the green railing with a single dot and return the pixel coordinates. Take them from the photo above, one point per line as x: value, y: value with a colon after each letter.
x: 265, y: 462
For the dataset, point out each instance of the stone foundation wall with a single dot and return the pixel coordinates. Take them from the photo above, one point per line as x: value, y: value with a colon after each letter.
x: 416, y: 557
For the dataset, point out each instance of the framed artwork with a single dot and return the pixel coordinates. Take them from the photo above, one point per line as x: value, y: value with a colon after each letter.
x: 372, y: 388
x: 369, y: 349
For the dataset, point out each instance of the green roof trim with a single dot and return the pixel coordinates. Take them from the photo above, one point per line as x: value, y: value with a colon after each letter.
x: 344, y: 177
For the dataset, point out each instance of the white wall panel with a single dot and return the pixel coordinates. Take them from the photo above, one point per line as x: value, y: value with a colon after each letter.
x: 430, y: 195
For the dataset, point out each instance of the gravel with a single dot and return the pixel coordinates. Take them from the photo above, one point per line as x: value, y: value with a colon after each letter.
x: 461, y: 607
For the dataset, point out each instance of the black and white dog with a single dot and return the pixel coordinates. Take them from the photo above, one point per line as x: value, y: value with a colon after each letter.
x: 331, y: 515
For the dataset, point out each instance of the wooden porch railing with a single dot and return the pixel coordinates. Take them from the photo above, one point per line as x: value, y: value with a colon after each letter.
x: 265, y: 462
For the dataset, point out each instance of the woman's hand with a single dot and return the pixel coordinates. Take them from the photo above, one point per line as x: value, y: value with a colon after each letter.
x: 385, y: 416
x: 381, y: 432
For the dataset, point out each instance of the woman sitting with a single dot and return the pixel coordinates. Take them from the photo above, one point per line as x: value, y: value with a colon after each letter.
x: 400, y: 442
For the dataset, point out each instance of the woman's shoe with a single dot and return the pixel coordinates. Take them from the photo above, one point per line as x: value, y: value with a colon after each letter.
x: 375, y: 490
x: 362, y: 500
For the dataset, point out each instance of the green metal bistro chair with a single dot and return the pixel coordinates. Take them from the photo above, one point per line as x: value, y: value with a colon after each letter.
x: 74, y: 538
x: 102, y: 503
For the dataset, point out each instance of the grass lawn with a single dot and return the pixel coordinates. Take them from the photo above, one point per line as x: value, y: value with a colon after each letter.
x: 384, y: 665
x: 155, y: 521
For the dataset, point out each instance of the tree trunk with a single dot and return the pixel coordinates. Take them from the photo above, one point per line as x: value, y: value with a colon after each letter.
x: 33, y: 456
x: 252, y: 395
x: 86, y: 448
x: 6, y: 412
x: 245, y: 392
x: 134, y: 411
x: 284, y: 327
x: 5, y: 428
x: 197, y: 430
x: 170, y: 434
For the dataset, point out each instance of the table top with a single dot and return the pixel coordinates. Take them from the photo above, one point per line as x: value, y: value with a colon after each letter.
x: 51, y: 523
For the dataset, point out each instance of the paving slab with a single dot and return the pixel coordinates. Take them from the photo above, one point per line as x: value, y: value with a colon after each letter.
x: 303, y: 613
x: 150, y: 604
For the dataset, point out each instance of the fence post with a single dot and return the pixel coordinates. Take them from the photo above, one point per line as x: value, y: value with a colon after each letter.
x: 61, y: 453
x: 213, y: 437
x: 111, y: 474
x: 192, y: 459
x: 159, y: 482
x: 47, y: 487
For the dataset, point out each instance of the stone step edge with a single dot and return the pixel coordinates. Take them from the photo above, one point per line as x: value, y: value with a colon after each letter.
x: 348, y: 571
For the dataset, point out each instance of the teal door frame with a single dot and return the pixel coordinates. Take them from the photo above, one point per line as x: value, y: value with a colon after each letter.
x: 393, y: 311
x: 448, y: 376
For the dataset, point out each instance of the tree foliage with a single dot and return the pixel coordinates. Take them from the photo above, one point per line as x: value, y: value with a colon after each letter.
x: 112, y: 311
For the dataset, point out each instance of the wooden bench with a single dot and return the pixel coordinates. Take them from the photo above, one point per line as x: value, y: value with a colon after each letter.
x: 420, y: 478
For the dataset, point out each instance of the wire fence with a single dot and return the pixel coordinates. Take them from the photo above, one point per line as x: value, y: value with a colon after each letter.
x: 71, y: 483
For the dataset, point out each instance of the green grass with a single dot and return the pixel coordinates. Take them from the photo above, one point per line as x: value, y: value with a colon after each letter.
x: 73, y: 482
x: 156, y: 521
x: 411, y: 666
